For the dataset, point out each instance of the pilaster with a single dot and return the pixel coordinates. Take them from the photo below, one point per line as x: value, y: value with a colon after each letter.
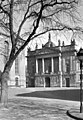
x: 52, y: 65
x: 60, y: 70
x: 71, y: 64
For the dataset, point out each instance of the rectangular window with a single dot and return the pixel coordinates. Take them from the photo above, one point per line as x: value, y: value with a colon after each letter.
x: 67, y: 63
x: 47, y: 65
x: 56, y: 64
x: 17, y: 66
x: 39, y: 66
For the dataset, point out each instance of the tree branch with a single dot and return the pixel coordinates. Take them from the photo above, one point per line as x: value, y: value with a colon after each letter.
x: 5, y: 35
x: 23, y: 21
x: 33, y: 32
x: 11, y: 23
x: 4, y: 11
x: 59, y: 3
x: 79, y: 29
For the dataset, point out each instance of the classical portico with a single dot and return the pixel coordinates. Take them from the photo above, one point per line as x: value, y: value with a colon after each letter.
x: 52, y: 66
x: 46, y: 68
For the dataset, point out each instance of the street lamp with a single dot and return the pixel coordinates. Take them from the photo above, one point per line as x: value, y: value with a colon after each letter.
x: 80, y: 57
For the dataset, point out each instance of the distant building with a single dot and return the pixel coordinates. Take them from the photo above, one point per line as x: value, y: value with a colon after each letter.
x: 17, y: 73
x: 53, y: 65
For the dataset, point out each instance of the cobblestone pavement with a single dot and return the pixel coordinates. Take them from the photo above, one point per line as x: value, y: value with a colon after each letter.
x: 20, y: 108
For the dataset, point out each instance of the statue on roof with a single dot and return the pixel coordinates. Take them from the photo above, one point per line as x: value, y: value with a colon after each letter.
x: 73, y: 42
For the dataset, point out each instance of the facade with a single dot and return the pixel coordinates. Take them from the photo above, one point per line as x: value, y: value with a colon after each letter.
x: 53, y: 66
x: 17, y: 73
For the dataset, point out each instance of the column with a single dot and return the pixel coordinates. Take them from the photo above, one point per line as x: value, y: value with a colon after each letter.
x: 60, y: 62
x: 64, y: 66
x: 60, y: 71
x: 52, y: 65
x: 44, y: 83
x: 37, y: 66
x: 42, y: 65
x: 71, y: 64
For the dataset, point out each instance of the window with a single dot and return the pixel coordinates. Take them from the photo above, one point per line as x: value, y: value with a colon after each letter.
x: 56, y: 64
x: 47, y: 65
x: 17, y: 66
x: 67, y: 63
x: 39, y: 66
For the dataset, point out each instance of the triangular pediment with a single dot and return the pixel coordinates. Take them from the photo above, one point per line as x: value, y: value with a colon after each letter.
x: 44, y: 51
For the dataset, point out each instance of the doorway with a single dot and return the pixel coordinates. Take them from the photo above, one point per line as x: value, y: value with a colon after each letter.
x: 67, y: 82
x: 16, y: 81
x: 47, y: 81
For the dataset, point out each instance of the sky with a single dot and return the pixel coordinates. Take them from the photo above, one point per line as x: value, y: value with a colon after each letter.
x: 66, y: 37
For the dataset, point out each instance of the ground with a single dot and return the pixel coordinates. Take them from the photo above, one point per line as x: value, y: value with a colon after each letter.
x: 26, y: 104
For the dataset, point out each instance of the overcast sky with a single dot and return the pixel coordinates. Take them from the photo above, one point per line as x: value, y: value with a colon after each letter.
x: 66, y: 37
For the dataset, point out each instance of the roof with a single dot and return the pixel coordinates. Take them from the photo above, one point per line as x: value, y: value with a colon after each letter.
x: 49, y: 44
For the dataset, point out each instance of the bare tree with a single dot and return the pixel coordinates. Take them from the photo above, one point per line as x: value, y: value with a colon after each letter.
x: 24, y: 20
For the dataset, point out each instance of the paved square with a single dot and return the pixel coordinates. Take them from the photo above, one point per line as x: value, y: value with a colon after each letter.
x: 33, y: 108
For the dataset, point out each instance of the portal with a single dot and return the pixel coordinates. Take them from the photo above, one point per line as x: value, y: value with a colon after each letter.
x: 47, y: 82
x: 67, y: 82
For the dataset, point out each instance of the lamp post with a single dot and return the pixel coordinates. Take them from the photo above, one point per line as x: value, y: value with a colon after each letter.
x: 80, y: 57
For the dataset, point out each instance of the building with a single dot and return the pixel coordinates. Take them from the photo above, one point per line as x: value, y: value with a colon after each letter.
x: 53, y: 65
x: 17, y: 73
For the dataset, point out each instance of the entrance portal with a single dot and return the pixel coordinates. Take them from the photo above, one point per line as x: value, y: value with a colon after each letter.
x: 67, y: 82
x: 47, y: 82
x: 16, y: 81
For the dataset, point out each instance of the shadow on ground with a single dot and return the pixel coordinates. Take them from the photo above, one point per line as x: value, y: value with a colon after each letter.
x: 73, y: 95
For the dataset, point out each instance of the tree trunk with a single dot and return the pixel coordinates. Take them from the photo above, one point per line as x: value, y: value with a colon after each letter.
x: 4, y: 88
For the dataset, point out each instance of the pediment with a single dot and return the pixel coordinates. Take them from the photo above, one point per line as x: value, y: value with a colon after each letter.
x: 44, y: 51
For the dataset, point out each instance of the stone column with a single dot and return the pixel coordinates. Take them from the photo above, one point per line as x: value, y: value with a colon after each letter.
x: 74, y: 67
x: 64, y: 66
x: 60, y: 71
x: 43, y: 65
x: 37, y: 66
x: 71, y: 64
x: 44, y: 83
x: 52, y: 65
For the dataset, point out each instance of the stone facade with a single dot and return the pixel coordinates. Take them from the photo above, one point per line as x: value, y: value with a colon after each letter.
x: 53, y: 66
x: 16, y: 78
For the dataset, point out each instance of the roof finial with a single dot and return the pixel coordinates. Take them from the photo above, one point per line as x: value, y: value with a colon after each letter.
x: 63, y: 43
x: 49, y: 38
x: 36, y: 47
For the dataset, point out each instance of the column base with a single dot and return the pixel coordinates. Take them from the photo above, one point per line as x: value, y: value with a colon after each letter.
x: 43, y: 73
x: 52, y: 73
x: 36, y: 73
